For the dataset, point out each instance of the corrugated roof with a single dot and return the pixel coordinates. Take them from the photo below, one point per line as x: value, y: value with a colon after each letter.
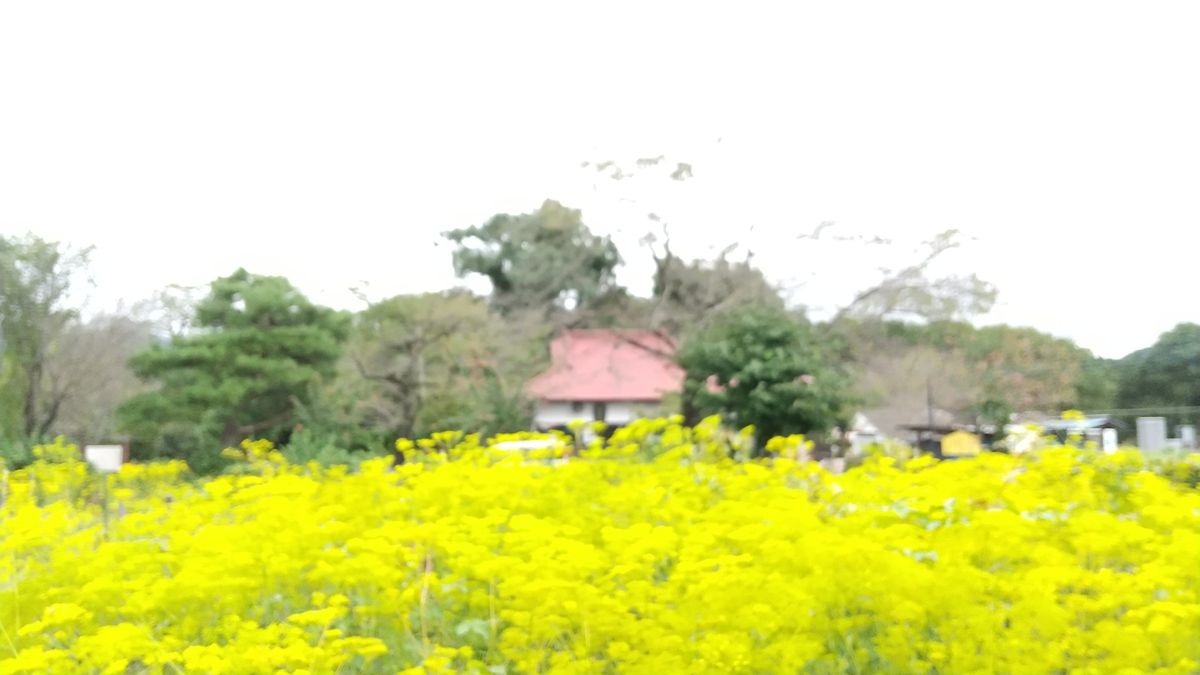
x: 609, y: 365
x: 1083, y: 424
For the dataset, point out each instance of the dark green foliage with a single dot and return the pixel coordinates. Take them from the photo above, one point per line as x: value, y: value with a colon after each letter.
x: 545, y: 259
x: 15, y: 453
x: 312, y: 445
x: 1096, y: 387
x: 491, y: 407
x: 259, y: 349
x: 334, y: 416
x: 771, y: 370
x: 1165, y: 374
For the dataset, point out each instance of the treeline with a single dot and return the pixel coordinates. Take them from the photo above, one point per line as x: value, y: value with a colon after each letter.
x: 185, y: 374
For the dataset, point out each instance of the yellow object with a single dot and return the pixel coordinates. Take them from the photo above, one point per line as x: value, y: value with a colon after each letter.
x: 960, y: 444
x: 651, y: 550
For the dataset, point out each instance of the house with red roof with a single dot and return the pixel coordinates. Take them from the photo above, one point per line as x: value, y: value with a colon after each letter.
x: 613, y: 376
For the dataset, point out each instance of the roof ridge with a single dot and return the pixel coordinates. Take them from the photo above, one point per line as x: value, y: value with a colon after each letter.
x: 652, y: 331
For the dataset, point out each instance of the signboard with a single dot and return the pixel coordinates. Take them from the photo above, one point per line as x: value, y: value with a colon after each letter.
x: 960, y: 444
x: 1108, y: 440
x: 105, y: 458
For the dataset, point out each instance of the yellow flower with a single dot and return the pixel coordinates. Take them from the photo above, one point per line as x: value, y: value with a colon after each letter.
x: 659, y: 549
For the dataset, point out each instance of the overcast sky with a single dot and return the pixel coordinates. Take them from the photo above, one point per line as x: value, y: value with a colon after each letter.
x: 333, y: 142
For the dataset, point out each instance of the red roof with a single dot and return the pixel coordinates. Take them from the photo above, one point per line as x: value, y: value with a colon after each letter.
x: 609, y: 365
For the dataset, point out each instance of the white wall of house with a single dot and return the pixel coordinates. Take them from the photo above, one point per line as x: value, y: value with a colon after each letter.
x: 616, y: 413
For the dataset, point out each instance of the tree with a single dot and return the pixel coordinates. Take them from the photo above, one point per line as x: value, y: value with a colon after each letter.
x: 762, y: 366
x: 36, y: 278
x: 171, y: 312
x: 440, y: 360
x: 1164, y: 374
x: 1096, y: 388
x: 544, y: 260
x: 978, y: 375
x: 901, y: 380
x: 260, y: 349
x: 616, y: 308
x: 1022, y: 369
x: 88, y: 373
x: 686, y: 295
x: 910, y: 293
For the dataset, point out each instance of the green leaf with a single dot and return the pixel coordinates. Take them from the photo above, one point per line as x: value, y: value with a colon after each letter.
x: 477, y: 626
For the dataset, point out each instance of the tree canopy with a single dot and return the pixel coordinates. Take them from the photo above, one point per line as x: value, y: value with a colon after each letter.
x: 971, y: 374
x: 254, y: 357
x: 911, y: 293
x: 761, y: 366
x: 36, y: 278
x: 688, y: 294
x: 260, y: 348
x: 1164, y: 374
x: 439, y: 360
x: 547, y: 258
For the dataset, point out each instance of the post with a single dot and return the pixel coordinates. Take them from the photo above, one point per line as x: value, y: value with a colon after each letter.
x: 104, y: 501
x: 929, y: 401
x: 105, y: 460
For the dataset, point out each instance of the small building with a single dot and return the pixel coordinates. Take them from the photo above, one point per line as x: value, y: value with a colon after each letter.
x: 1101, y: 429
x: 863, y: 433
x: 947, y: 441
x: 612, y: 376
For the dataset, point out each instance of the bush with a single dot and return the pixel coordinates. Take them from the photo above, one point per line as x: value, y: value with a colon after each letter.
x: 307, y: 445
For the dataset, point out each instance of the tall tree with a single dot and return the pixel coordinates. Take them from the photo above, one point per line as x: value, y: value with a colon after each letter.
x: 763, y: 366
x: 910, y: 292
x: 547, y: 259
x: 971, y: 374
x: 1164, y: 374
x: 904, y: 375
x: 1098, y: 384
x: 260, y: 349
x: 440, y: 360
x: 88, y: 374
x: 36, y: 278
x: 171, y: 311
x: 1022, y: 369
x: 686, y: 295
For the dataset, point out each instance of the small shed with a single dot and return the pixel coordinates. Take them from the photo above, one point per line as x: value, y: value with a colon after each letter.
x: 946, y: 441
x: 960, y: 444
x: 1098, y: 428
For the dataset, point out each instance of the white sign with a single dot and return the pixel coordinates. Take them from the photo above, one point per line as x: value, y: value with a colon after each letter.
x: 1108, y: 440
x: 105, y: 458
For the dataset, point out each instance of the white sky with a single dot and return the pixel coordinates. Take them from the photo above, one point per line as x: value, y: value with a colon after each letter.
x: 332, y: 142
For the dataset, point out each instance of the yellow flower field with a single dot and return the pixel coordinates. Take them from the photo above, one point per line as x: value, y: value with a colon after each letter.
x: 659, y: 552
